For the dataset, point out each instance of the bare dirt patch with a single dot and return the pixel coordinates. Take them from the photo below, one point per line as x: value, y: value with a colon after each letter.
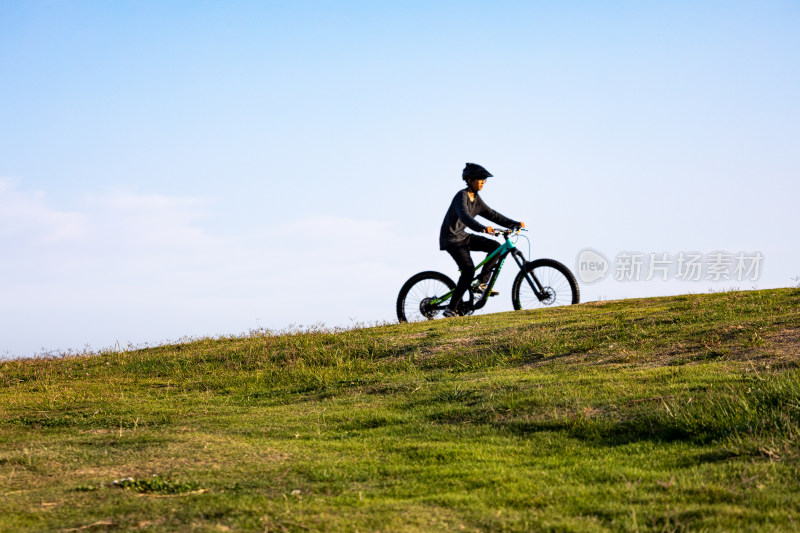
x: 779, y: 349
x: 455, y: 343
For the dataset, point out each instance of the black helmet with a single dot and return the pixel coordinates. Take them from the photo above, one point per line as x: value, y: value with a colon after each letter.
x: 474, y: 172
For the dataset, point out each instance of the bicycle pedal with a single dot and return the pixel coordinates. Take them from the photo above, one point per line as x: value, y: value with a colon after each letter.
x: 493, y: 293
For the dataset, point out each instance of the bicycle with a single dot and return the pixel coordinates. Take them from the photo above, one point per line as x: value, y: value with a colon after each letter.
x: 539, y: 283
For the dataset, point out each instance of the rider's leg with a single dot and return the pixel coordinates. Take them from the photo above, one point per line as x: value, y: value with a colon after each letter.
x: 482, y: 244
x: 462, y: 258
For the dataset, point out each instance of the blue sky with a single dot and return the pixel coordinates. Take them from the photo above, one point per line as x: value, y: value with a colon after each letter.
x: 173, y: 169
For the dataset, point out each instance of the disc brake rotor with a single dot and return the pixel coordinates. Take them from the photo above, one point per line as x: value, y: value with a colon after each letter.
x: 550, y: 295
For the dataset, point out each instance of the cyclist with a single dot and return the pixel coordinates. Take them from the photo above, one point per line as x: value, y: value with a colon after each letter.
x: 453, y: 238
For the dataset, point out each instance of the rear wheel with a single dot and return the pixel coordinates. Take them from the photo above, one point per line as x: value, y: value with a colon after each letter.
x: 558, y: 286
x: 419, y: 299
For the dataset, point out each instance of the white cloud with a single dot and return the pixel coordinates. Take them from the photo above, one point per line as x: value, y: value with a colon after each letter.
x: 28, y: 218
x: 148, y: 268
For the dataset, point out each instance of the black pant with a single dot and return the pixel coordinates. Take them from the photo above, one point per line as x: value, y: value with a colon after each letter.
x: 460, y: 253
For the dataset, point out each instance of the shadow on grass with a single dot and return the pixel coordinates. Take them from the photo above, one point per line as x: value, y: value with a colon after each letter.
x: 614, y: 434
x: 764, y: 405
x: 86, y: 421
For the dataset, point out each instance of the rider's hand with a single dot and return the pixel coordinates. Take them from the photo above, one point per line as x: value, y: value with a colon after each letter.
x: 488, y: 229
x: 522, y: 225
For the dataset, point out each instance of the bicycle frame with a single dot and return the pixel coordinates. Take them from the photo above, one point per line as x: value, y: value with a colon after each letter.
x: 508, y: 247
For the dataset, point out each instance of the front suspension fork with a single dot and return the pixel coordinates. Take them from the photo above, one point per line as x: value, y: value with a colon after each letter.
x: 538, y: 290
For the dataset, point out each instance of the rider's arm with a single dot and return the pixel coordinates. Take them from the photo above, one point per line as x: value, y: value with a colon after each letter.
x: 490, y: 214
x: 462, y: 210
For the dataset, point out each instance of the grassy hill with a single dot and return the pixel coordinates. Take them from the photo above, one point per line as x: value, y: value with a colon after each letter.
x: 664, y: 414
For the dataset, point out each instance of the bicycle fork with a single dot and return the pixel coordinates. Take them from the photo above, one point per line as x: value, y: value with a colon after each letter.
x: 538, y: 290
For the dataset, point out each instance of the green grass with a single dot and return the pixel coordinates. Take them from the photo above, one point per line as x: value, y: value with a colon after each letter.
x: 665, y: 414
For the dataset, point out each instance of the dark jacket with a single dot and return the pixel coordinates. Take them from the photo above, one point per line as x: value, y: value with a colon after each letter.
x: 461, y: 215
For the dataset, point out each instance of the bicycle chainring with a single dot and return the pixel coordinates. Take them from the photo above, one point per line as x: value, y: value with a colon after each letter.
x: 466, y: 308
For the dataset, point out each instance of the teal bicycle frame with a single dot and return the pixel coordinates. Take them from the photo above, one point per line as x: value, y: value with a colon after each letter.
x: 508, y: 247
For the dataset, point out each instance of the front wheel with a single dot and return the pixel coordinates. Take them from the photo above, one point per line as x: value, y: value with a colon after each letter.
x: 556, y: 285
x: 423, y: 297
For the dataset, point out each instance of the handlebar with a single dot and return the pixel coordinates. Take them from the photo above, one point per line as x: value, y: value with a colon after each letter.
x: 507, y: 232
